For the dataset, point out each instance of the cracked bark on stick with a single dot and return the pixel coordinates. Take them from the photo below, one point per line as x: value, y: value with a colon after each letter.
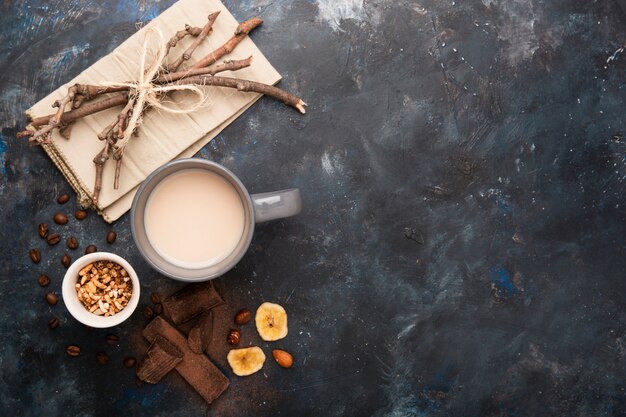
x: 84, y: 100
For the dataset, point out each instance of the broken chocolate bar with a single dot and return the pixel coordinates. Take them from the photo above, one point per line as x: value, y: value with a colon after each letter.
x: 197, y: 369
x: 160, y: 358
x: 192, y: 300
x: 201, y: 334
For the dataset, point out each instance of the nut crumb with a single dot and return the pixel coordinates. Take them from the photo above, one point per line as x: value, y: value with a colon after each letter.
x: 104, y: 288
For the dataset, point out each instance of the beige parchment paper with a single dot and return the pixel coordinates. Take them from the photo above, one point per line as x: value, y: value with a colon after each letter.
x: 162, y: 136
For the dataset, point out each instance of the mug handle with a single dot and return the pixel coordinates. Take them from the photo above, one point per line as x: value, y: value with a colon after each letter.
x: 276, y: 204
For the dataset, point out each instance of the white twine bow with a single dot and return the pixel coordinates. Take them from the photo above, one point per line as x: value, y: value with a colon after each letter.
x: 143, y: 92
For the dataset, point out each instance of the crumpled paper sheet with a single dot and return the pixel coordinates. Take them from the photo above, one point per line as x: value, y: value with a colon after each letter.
x: 162, y: 136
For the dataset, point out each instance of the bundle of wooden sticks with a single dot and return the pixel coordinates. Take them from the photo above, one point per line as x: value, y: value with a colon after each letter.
x: 85, y: 100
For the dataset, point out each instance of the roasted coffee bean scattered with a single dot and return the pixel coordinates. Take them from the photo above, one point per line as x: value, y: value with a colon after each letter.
x: 158, y: 309
x: 43, y: 280
x: 53, y: 239
x: 34, y: 255
x: 234, y: 337
x: 102, y: 358
x: 80, y: 214
x: 129, y: 362
x: 112, y: 339
x: 91, y: 249
x: 73, y: 350
x: 43, y: 230
x: 60, y: 218
x: 72, y: 243
x: 148, y: 312
x: 242, y: 316
x: 66, y: 261
x: 155, y: 298
x: 111, y: 236
x: 63, y: 198
x: 53, y: 323
x: 51, y: 298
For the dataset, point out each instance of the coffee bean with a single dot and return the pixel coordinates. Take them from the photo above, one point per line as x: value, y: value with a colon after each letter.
x: 52, y: 298
x: 111, y: 339
x: 242, y: 316
x: 43, y: 230
x: 43, y: 280
x: 102, y: 358
x: 111, y: 236
x: 80, y: 214
x: 72, y: 243
x: 66, y: 261
x: 234, y: 337
x: 34, y: 255
x: 73, y: 350
x: 60, y: 218
x: 63, y: 198
x: 129, y: 362
x: 155, y: 298
x: 53, y: 323
x: 138, y: 382
x: 148, y: 312
x: 53, y: 239
x: 91, y: 249
x: 158, y: 309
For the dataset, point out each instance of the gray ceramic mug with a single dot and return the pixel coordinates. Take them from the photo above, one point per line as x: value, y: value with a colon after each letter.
x: 257, y: 208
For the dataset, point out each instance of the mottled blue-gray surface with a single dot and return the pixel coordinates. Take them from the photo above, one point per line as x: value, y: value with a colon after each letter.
x: 462, y: 250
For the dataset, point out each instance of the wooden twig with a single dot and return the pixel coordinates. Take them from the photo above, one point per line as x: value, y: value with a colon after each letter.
x: 85, y: 110
x: 212, y: 70
x: 247, y: 86
x: 55, y: 120
x: 240, y: 33
x: 178, y: 36
x: 118, y: 168
x: 105, y: 133
x: 87, y: 92
x: 100, y: 159
x: 199, y: 39
x: 66, y: 130
x: 122, y: 120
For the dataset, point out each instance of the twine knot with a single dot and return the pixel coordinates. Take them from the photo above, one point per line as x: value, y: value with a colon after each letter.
x: 144, y: 93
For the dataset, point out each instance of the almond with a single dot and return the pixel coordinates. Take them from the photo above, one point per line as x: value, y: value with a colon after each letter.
x: 283, y: 358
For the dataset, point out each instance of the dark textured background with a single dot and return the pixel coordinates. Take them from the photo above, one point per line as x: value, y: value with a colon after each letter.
x: 460, y: 124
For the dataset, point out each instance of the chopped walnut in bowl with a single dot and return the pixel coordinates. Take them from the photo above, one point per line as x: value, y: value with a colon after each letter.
x: 101, y: 289
x: 104, y: 288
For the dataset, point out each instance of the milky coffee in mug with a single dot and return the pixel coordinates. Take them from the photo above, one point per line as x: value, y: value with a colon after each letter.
x: 193, y: 219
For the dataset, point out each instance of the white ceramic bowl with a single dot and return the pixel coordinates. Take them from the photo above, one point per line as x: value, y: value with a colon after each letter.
x: 78, y: 310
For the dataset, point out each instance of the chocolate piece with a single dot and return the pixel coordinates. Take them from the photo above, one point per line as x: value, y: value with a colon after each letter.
x: 197, y: 369
x: 222, y: 323
x: 192, y: 300
x: 201, y: 334
x: 160, y: 358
